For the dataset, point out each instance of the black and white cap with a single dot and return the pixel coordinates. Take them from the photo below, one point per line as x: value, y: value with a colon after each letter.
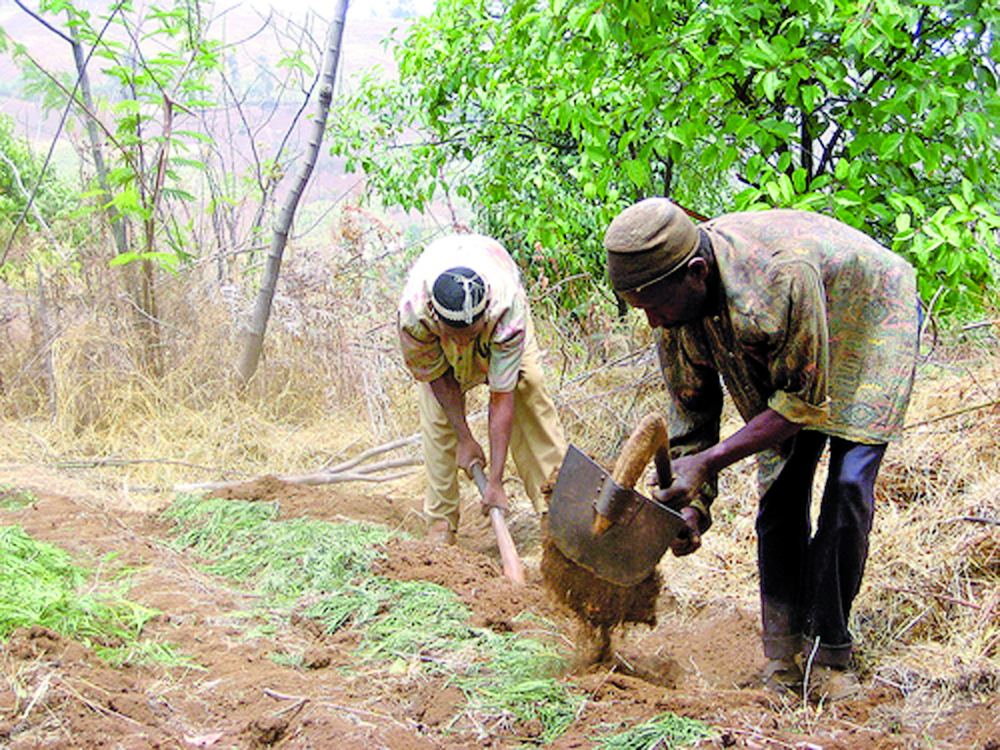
x: 459, y: 296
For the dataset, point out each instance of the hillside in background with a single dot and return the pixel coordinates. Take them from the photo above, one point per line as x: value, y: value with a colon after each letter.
x: 259, y: 40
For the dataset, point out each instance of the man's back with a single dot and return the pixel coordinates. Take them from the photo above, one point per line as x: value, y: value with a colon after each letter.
x: 814, y: 292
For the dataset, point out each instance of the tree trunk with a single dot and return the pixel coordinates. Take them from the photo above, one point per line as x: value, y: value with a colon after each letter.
x: 94, y: 137
x: 139, y: 282
x: 254, y: 337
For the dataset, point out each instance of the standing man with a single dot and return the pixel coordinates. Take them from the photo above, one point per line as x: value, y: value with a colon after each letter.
x: 464, y: 321
x: 812, y: 326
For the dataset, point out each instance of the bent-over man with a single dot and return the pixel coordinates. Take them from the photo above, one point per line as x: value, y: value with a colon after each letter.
x: 464, y: 321
x: 812, y: 326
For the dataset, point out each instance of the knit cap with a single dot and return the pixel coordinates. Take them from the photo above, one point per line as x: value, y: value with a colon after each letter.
x: 459, y: 296
x: 647, y: 242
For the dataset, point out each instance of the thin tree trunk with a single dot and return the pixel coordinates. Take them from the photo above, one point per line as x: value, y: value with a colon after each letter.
x: 94, y: 137
x: 254, y: 340
x: 139, y: 282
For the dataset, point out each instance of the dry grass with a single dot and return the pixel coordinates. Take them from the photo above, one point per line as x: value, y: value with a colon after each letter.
x: 930, y: 610
x: 332, y: 385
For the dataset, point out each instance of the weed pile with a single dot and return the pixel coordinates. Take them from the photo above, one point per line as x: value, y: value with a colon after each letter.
x: 323, y: 570
x: 40, y: 587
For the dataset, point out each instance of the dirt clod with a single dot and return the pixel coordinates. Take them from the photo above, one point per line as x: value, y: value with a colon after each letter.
x: 600, y: 605
x: 266, y: 732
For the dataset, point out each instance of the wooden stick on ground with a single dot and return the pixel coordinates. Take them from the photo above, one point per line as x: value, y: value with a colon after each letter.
x: 334, y: 474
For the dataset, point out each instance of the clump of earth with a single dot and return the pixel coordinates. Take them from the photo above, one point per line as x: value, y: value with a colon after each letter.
x: 600, y: 605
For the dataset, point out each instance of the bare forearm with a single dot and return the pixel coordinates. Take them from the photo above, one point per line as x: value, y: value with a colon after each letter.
x: 501, y: 426
x: 449, y: 395
x: 767, y: 430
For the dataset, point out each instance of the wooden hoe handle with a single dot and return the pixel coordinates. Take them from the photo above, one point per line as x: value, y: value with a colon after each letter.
x: 512, y: 567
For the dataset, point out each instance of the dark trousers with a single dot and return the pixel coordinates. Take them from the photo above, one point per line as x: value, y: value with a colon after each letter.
x: 808, y: 581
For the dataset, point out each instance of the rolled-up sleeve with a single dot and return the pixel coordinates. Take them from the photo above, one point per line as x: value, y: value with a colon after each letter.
x: 507, y: 349
x: 422, y: 352
x: 798, y: 363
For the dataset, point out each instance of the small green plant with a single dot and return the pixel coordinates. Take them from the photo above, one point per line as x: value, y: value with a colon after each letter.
x: 664, y: 732
x: 12, y: 498
x: 147, y: 651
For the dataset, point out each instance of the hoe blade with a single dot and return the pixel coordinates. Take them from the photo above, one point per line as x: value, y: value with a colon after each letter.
x: 640, y: 532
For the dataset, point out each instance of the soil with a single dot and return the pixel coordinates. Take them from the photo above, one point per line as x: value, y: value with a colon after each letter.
x: 600, y: 606
x: 55, y: 693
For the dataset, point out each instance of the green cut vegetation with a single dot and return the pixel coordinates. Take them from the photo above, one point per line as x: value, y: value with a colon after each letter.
x: 282, y: 559
x: 399, y: 618
x: 40, y: 586
x: 664, y: 732
x: 519, y: 681
x: 12, y: 498
x: 506, y: 678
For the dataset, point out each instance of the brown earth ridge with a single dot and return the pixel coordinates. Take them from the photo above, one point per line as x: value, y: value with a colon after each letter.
x: 55, y: 693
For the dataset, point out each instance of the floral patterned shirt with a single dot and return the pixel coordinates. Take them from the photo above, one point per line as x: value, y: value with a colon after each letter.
x: 816, y: 320
x: 494, y: 357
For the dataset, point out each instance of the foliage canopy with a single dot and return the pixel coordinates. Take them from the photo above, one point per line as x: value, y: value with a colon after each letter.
x: 24, y: 188
x: 550, y: 117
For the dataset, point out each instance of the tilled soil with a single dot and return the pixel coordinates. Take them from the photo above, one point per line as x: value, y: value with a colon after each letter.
x: 240, y: 693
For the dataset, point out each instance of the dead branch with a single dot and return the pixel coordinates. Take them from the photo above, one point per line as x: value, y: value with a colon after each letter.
x: 284, y: 697
x: 959, y: 413
x: 377, y: 450
x: 339, y: 473
x: 980, y: 519
x: 365, y: 473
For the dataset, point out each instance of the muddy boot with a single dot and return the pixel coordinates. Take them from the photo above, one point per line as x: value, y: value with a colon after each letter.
x: 781, y: 676
x: 440, y: 534
x: 829, y: 684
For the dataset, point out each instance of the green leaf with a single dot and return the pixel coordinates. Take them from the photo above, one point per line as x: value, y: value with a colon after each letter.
x: 810, y: 94
x: 770, y: 83
x: 847, y: 198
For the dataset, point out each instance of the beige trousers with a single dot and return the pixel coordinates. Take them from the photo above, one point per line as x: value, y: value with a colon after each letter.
x: 537, y: 444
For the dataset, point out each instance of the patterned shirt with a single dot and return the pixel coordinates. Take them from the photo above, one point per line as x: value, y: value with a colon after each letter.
x: 495, y: 355
x: 815, y: 320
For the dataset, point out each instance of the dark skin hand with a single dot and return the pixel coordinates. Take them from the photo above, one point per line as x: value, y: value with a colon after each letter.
x: 767, y: 430
x: 449, y: 395
x: 501, y: 421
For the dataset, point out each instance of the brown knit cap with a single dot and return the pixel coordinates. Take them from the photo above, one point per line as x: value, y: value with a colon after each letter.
x: 647, y: 242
